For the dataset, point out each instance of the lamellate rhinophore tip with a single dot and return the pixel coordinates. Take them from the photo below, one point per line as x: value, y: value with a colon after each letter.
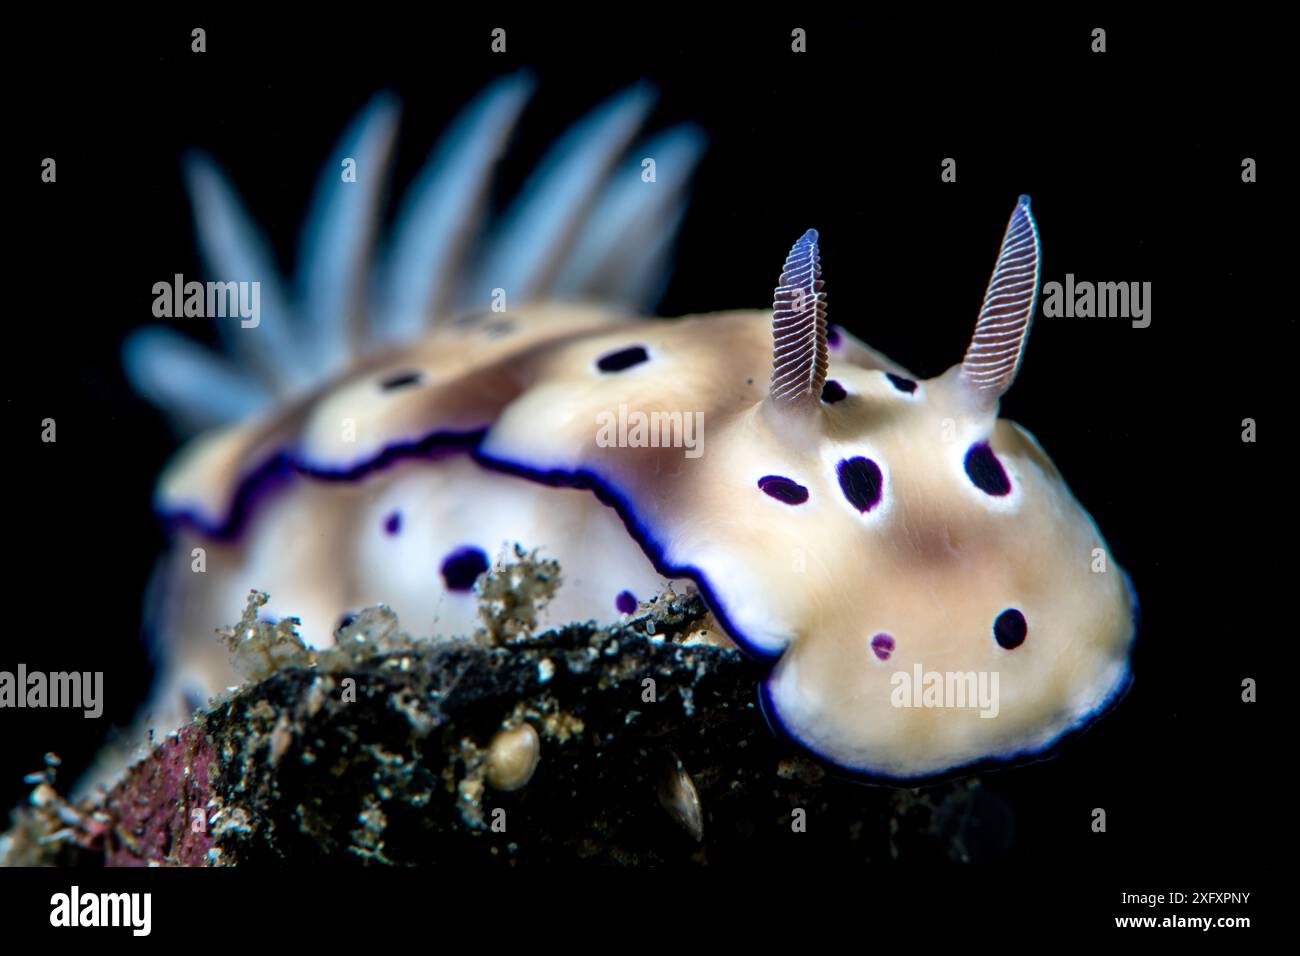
x: 799, y: 353
x: 998, y: 345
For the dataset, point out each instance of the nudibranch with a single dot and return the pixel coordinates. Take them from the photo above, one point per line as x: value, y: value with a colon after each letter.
x: 852, y: 526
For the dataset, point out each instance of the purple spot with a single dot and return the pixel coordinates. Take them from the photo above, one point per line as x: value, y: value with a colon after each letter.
x: 462, y: 567
x: 985, y: 471
x: 1010, y: 629
x: 401, y: 380
x: 393, y: 523
x: 882, y: 645
x: 861, y: 481
x: 783, y: 489
x: 625, y: 602
x: 833, y: 392
x: 622, y: 359
x: 900, y: 383
x: 833, y: 336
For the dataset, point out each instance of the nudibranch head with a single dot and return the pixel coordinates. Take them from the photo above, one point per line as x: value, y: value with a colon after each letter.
x: 930, y: 594
x: 954, y: 605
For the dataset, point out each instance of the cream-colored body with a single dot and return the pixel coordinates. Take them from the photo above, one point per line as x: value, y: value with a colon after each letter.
x: 932, y: 565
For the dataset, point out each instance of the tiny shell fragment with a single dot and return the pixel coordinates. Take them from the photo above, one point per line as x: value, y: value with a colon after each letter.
x: 678, y: 796
x: 513, y: 757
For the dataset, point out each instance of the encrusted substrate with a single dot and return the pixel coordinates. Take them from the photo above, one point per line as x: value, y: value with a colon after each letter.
x: 378, y: 752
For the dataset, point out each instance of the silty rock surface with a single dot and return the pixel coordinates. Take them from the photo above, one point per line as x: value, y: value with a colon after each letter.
x: 639, y: 744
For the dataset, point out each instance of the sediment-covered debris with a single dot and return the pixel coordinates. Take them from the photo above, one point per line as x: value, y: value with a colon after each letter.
x: 637, y: 744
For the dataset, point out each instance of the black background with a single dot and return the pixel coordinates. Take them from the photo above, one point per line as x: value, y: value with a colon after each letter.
x: 1133, y: 160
